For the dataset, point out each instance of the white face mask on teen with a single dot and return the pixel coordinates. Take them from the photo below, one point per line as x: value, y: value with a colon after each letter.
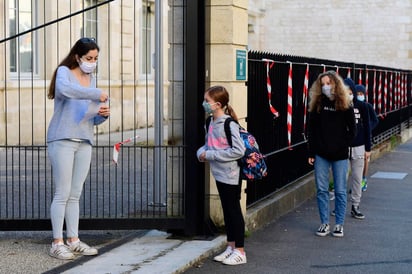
x: 87, y: 67
x: 327, y: 90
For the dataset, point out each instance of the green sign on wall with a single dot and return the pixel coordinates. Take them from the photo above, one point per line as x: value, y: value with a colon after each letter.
x: 241, y: 64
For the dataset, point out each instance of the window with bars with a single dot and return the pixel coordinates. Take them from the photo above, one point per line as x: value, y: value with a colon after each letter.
x: 147, y: 45
x: 90, y: 20
x: 21, y: 15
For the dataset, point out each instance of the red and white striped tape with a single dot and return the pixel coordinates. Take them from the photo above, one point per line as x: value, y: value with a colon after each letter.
x: 385, y: 93
x: 380, y: 93
x: 290, y: 107
x: 269, y: 64
x: 360, y: 77
x: 366, y: 84
x: 390, y: 97
x: 305, y: 96
x: 404, y: 96
x: 374, y: 89
x: 397, y: 92
x: 116, y: 148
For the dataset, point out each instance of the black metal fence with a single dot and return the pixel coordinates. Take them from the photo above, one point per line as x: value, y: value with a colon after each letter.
x: 282, y: 137
x: 129, y: 195
x: 146, y: 188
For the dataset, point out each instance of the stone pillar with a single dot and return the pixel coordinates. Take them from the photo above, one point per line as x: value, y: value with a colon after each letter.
x: 226, y: 37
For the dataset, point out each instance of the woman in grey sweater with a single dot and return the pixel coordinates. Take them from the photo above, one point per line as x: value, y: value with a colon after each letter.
x: 78, y: 107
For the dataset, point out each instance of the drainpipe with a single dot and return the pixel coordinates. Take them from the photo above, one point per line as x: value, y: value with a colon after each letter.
x: 158, y: 68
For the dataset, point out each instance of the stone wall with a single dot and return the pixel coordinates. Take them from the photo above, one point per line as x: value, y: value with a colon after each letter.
x: 375, y: 32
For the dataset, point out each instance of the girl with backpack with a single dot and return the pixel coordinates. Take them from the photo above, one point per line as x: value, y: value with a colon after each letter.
x: 225, y: 169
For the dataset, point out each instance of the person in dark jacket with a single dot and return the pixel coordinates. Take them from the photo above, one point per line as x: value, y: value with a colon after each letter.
x: 359, y: 150
x: 331, y: 129
x: 373, y: 122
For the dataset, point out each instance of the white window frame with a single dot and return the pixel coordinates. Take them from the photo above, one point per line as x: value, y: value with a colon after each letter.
x: 17, y: 44
x: 90, y: 20
x: 147, y: 70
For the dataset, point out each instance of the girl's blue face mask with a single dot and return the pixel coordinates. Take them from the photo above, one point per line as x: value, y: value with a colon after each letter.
x: 361, y: 98
x: 208, y: 107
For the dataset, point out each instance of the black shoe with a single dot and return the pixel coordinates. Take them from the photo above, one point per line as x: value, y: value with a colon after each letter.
x: 356, y: 213
x: 338, y: 231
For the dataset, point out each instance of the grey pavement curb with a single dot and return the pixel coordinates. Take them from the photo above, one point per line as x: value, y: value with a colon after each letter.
x: 153, y: 253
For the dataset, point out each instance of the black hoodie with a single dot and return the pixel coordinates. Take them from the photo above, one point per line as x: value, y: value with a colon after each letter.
x: 363, y: 136
x: 363, y: 130
x: 331, y: 132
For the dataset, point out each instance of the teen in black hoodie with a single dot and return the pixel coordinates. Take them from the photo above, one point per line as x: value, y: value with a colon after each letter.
x: 373, y: 122
x: 331, y: 129
x: 359, y: 150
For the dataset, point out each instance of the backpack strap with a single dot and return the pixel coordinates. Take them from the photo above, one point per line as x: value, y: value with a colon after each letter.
x: 208, y: 120
x: 226, y: 127
x: 227, y: 130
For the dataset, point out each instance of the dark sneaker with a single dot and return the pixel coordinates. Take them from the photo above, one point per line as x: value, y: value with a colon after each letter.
x: 338, y: 231
x: 356, y: 213
x: 333, y: 213
x: 323, y: 230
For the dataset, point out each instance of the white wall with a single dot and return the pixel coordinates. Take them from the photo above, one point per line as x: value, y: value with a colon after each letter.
x: 375, y: 32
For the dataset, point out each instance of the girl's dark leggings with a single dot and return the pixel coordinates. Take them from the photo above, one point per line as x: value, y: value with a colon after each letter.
x: 232, y: 212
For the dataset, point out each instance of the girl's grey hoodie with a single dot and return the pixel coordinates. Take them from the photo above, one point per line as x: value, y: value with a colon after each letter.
x: 222, y: 157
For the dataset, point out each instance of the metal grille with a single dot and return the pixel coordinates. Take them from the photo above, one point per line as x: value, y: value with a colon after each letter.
x: 147, y: 184
x: 287, y: 164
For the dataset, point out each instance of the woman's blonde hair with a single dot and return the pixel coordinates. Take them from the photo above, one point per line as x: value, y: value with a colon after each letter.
x: 220, y: 94
x: 340, y: 91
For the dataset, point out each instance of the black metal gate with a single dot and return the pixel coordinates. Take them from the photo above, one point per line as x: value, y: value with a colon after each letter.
x: 146, y: 189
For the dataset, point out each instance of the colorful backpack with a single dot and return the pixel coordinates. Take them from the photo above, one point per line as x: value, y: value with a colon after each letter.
x: 252, y: 164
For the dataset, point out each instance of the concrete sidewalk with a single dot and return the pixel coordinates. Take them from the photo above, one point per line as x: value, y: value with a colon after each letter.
x: 152, y: 253
x: 381, y: 243
x: 378, y: 244
x: 284, y: 244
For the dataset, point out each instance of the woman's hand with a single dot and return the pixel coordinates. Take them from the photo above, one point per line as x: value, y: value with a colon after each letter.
x: 104, y: 97
x: 104, y: 111
x: 311, y: 161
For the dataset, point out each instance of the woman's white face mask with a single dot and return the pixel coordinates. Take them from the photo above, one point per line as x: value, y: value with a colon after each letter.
x: 87, y: 67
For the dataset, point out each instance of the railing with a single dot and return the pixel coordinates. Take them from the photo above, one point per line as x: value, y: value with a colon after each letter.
x: 388, y: 89
x: 122, y: 196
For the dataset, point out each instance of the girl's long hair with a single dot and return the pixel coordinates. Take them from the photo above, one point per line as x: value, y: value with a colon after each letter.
x: 80, y: 48
x: 341, y: 93
x: 220, y: 94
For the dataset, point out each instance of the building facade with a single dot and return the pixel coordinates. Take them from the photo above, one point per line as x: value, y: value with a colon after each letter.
x: 373, y: 32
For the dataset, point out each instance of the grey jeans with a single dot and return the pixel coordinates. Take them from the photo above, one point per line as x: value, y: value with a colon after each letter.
x: 70, y: 162
x: 357, y: 162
